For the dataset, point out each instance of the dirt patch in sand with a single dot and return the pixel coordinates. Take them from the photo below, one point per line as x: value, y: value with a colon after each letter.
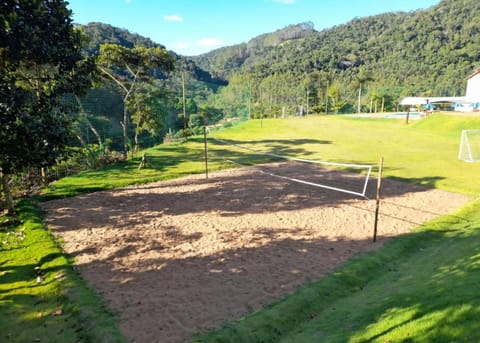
x: 178, y: 257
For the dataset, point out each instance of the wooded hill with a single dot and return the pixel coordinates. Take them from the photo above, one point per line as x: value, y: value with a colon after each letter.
x: 381, y: 58
x: 103, y: 104
x: 417, y: 53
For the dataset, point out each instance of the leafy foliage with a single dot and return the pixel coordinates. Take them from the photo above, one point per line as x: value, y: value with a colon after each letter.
x: 100, y: 33
x: 299, y: 70
x: 129, y: 68
x: 40, y: 61
x: 417, y: 53
x: 225, y: 61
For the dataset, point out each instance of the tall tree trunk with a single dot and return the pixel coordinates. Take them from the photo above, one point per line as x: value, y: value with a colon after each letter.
x: 92, y: 154
x: 125, y: 122
x: 137, y: 146
x: 43, y: 172
x: 326, y: 98
x: 92, y: 128
x: 7, y: 192
x: 184, y: 106
x: 308, y: 94
x: 359, y: 106
x: 95, y: 132
x: 125, y: 140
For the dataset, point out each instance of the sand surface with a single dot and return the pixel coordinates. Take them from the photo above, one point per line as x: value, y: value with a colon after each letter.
x: 179, y: 257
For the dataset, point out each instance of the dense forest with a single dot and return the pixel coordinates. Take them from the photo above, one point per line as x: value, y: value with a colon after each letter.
x: 103, y: 104
x: 123, y: 92
x: 367, y: 64
x: 425, y: 52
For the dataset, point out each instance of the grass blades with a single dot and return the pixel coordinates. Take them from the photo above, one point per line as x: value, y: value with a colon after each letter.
x: 424, y: 152
x: 41, y: 297
x: 420, y: 287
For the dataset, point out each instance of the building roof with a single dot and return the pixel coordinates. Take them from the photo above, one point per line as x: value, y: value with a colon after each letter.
x: 476, y: 72
x: 416, y: 100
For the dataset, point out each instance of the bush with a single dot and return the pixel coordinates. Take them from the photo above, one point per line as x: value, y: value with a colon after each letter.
x: 181, y: 133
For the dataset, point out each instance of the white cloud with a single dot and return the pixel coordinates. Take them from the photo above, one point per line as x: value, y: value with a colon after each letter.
x: 173, y: 18
x: 210, y: 42
x: 285, y: 2
x: 183, y: 45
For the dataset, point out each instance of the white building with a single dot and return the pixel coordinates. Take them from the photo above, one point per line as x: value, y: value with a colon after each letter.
x: 468, y: 103
x: 473, y: 86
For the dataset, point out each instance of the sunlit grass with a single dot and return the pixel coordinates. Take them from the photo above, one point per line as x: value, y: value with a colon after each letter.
x: 41, y: 297
x: 421, y: 287
x: 418, y: 288
x: 423, y: 152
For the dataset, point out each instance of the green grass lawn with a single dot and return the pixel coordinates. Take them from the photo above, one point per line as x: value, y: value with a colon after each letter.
x: 42, y: 299
x: 421, y: 287
x: 423, y: 152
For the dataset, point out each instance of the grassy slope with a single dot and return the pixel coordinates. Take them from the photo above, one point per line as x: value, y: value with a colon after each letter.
x: 42, y: 299
x: 423, y: 152
x: 418, y: 288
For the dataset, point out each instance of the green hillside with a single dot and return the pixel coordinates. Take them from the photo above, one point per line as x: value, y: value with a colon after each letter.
x: 297, y: 69
x: 391, y: 55
x: 434, y: 48
x: 421, y: 286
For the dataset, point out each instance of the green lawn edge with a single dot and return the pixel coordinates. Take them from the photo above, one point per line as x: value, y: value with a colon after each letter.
x: 42, y: 297
x: 331, y: 309
x: 186, y: 158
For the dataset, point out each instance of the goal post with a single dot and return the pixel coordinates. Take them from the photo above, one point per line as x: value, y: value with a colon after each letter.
x: 469, y: 146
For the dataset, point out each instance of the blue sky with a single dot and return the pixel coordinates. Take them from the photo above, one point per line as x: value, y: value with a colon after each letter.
x: 192, y: 27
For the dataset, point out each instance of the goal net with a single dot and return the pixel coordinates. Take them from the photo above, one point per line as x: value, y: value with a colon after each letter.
x: 469, y: 146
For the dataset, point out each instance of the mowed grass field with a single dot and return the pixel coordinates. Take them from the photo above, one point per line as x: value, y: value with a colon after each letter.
x: 418, y: 288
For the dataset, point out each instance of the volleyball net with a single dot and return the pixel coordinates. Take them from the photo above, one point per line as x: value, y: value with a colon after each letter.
x: 350, y: 178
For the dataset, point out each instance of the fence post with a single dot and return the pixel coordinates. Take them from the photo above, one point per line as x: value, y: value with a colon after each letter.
x: 206, y: 150
x: 377, y: 206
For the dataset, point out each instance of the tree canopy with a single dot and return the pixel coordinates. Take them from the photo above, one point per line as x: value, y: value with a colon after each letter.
x: 405, y: 54
x: 127, y: 68
x: 40, y: 61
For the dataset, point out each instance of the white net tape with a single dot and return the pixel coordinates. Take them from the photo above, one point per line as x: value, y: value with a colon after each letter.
x: 365, y: 167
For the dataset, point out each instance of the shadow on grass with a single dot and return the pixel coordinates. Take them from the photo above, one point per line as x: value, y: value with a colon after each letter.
x: 229, y: 195
x: 428, y: 181
x: 120, y: 174
x: 41, y: 298
x: 162, y: 163
x: 433, y: 297
x: 198, y: 293
x: 285, y: 147
x: 369, y: 299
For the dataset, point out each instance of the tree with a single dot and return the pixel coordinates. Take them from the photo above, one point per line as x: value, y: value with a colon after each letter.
x: 334, y: 94
x: 362, y: 78
x: 129, y: 67
x: 149, y: 111
x: 40, y: 61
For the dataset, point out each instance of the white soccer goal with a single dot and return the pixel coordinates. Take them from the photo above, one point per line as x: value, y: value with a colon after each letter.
x: 469, y: 146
